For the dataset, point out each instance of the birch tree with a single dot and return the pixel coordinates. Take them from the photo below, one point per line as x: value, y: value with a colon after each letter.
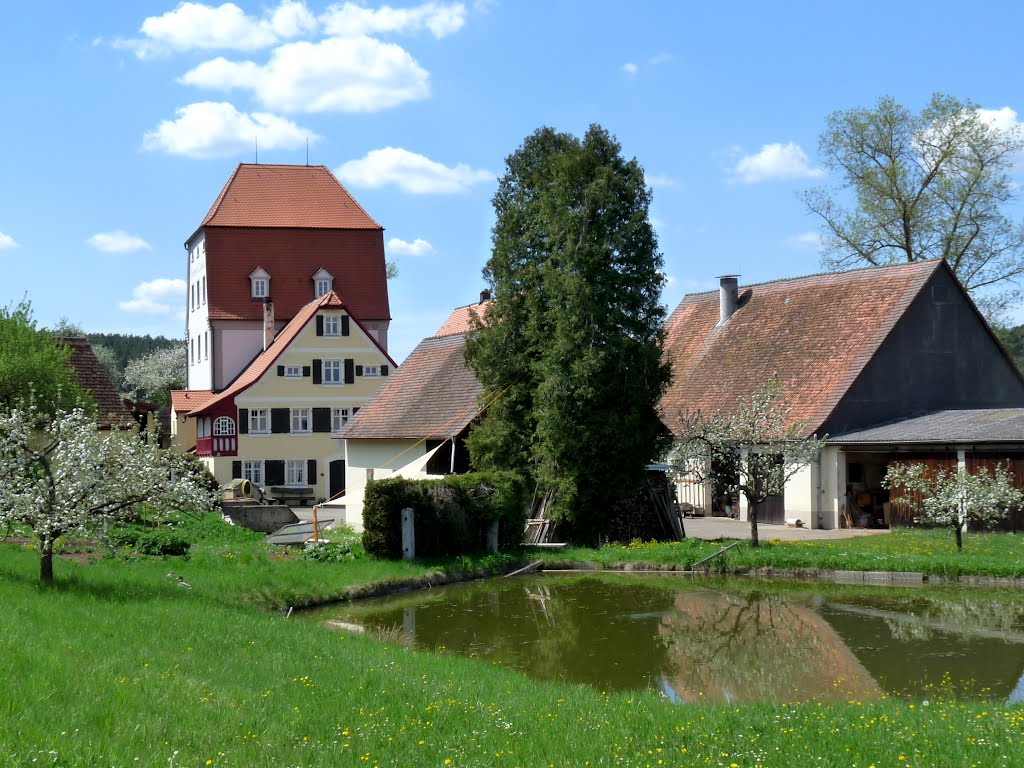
x: 61, y: 475
x: 952, y: 498
x: 753, y: 449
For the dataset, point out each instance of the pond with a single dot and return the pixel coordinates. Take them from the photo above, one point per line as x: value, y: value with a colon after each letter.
x: 721, y: 640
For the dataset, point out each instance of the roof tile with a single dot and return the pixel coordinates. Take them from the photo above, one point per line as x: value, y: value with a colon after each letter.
x: 815, y: 333
x: 93, y: 377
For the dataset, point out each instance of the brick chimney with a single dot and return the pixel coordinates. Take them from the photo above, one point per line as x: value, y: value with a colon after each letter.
x: 728, y: 296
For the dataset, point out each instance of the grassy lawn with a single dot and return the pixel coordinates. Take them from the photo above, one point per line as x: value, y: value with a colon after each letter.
x: 924, y: 551
x: 118, y: 666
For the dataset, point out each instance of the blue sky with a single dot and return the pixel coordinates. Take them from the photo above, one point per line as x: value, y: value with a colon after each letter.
x: 121, y: 121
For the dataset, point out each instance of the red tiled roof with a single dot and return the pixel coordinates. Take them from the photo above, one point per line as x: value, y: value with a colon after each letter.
x: 93, y: 378
x: 265, y: 360
x: 459, y: 320
x: 188, y: 400
x: 816, y: 334
x: 433, y: 394
x: 293, y: 196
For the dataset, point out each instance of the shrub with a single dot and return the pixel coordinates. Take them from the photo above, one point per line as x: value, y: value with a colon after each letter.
x: 452, y: 515
x: 162, y: 542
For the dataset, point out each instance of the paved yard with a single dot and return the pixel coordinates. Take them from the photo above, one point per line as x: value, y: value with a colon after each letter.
x: 727, y: 528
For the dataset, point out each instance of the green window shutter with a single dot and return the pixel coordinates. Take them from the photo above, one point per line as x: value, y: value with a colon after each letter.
x: 280, y: 370
x: 350, y: 371
x: 344, y: 325
x: 359, y: 370
x: 383, y: 370
x: 236, y: 470
x: 243, y: 421
x: 318, y: 372
x: 306, y: 371
x: 311, y: 472
x: 319, y: 325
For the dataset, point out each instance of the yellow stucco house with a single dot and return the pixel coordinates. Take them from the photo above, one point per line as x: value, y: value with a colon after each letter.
x: 273, y: 425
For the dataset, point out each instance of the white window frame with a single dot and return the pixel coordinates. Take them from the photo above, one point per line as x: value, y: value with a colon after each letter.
x: 293, y: 371
x: 371, y: 370
x: 223, y: 426
x: 295, y: 472
x: 259, y: 287
x: 259, y: 421
x: 332, y: 372
x: 323, y: 287
x: 297, y: 417
x: 339, y: 418
x: 254, y: 472
x: 332, y: 325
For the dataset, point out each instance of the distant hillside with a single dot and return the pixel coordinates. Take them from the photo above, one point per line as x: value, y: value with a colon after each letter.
x: 127, y: 346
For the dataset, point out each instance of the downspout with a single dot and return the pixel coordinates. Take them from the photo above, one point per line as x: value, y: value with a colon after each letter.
x: 452, y: 472
x: 820, y: 490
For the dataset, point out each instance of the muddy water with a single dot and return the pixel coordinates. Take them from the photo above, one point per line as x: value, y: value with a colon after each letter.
x: 729, y: 640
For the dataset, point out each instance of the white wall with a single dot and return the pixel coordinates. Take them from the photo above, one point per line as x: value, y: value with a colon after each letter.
x: 384, y: 457
x: 197, y: 314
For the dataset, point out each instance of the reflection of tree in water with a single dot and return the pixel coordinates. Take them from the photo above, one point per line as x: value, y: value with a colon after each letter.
x: 743, y: 646
x: 961, y: 615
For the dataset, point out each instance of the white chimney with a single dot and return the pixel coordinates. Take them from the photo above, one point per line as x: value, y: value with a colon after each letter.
x: 728, y: 296
x: 268, y: 323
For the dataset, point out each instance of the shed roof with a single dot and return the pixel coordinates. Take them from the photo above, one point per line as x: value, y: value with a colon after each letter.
x: 815, y: 334
x: 981, y: 425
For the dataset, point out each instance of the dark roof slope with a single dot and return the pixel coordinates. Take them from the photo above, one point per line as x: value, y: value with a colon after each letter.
x: 296, y: 196
x: 93, y: 377
x: 982, y: 425
x: 814, y: 333
x: 433, y: 393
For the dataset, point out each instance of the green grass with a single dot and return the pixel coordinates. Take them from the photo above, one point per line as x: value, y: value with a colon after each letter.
x: 118, y: 666
x: 924, y: 551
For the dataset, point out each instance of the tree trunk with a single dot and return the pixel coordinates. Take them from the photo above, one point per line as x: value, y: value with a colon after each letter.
x: 46, y: 562
x: 752, y: 514
x: 959, y: 528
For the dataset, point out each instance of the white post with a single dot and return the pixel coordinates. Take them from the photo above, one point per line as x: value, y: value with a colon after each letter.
x: 492, y: 536
x: 408, y: 535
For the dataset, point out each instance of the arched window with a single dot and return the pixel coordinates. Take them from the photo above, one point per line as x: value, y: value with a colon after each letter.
x: 224, y: 425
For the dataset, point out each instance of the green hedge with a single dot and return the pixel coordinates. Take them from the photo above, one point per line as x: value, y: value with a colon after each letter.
x: 452, y: 514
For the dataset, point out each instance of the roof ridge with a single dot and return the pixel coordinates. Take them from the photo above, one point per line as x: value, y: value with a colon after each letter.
x: 879, y: 267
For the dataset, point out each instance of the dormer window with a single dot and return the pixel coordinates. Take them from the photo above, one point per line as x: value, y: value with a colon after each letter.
x: 259, y: 282
x: 323, y: 283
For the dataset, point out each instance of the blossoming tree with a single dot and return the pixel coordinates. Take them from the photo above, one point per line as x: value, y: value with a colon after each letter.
x: 61, y: 474
x: 954, y: 497
x: 753, y: 449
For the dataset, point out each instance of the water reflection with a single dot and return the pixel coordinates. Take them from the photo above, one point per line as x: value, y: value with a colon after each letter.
x: 726, y: 641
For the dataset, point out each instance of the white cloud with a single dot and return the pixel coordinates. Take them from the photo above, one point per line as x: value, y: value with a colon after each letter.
x: 417, y: 247
x: 775, y: 161
x: 805, y: 240
x: 1004, y: 119
x: 630, y: 68
x: 351, y: 20
x: 156, y: 297
x: 196, y: 26
x: 6, y: 241
x: 410, y: 172
x: 661, y: 181
x: 660, y: 58
x: 357, y: 74
x: 217, y: 129
x: 118, y: 241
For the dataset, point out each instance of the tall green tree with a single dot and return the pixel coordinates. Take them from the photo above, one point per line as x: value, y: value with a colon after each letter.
x: 34, y: 367
x: 573, y: 336
x: 923, y: 186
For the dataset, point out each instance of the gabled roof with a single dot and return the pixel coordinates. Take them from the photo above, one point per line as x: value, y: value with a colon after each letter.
x: 266, y: 359
x: 974, y: 426
x: 815, y: 334
x: 459, y: 321
x: 294, y: 196
x: 93, y: 377
x: 188, y: 400
x: 433, y: 393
